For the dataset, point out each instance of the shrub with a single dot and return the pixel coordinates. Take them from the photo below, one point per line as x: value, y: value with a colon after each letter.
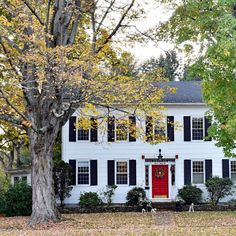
x: 108, y: 193
x: 62, y: 178
x: 190, y: 194
x: 89, y: 199
x: 134, y: 195
x: 17, y: 201
x: 219, y: 188
x: 232, y: 202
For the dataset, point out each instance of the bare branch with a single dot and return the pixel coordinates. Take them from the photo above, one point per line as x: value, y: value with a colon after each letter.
x: 33, y: 11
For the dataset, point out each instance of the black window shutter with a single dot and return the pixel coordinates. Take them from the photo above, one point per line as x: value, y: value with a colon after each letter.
x: 110, y: 172
x: 72, y: 129
x: 225, y: 168
x: 132, y: 172
x: 187, y: 172
x: 111, y: 129
x: 149, y: 128
x: 93, y: 172
x: 187, y: 128
x: 94, y: 130
x: 72, y: 164
x: 208, y: 167
x: 132, y: 128
x: 170, y: 128
x: 207, y: 125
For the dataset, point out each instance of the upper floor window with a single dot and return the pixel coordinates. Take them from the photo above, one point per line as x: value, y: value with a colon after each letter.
x: 159, y: 129
x: 83, y: 134
x: 197, y: 128
x: 198, y: 172
x: 83, y: 172
x: 121, y: 130
x: 121, y: 172
x: 233, y: 170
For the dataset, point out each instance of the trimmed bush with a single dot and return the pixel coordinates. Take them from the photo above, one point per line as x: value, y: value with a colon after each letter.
x: 89, y: 199
x: 17, y: 201
x: 190, y: 194
x: 134, y: 195
x: 219, y: 188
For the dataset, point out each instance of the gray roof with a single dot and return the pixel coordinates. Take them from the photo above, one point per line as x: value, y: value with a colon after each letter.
x: 187, y: 92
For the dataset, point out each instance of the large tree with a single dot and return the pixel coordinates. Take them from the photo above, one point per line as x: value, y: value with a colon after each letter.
x: 211, y: 25
x: 55, y: 59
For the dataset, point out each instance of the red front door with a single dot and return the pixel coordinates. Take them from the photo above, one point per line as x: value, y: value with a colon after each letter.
x: 160, y: 181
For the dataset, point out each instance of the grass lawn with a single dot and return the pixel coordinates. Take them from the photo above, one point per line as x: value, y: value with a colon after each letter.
x: 163, y: 223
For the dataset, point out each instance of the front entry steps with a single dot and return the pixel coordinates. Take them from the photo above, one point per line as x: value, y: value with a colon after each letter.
x: 164, y: 206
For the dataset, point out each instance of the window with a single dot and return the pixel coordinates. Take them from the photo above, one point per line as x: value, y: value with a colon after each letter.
x: 24, y: 179
x: 198, y: 172
x: 16, y: 179
x: 197, y: 128
x: 147, y: 176
x: 233, y: 170
x: 83, y: 134
x: 83, y: 172
x: 159, y: 130
x: 121, y: 130
x: 121, y: 172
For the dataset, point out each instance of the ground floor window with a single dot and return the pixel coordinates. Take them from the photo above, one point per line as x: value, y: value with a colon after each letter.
x: 198, y: 172
x: 83, y: 172
x: 147, y: 176
x: 233, y: 170
x: 121, y: 172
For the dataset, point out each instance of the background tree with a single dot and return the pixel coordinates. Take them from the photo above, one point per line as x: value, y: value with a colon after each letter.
x: 54, y: 60
x: 62, y: 180
x: 211, y: 24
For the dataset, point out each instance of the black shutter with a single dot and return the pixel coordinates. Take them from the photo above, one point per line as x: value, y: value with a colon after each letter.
x: 132, y: 172
x: 149, y: 128
x: 207, y: 125
x: 225, y: 168
x: 132, y: 128
x: 170, y: 128
x: 187, y: 128
x: 94, y: 130
x: 72, y: 164
x: 110, y: 172
x: 94, y: 172
x: 72, y: 129
x: 111, y: 129
x: 187, y: 172
x: 208, y: 167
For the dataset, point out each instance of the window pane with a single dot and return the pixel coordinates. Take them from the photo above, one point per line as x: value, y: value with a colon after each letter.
x: 198, y: 167
x: 159, y: 129
x: 83, y: 134
x: 83, y: 172
x: 197, y: 128
x: 198, y: 178
x: 16, y: 179
x: 233, y: 171
x: 122, y: 172
x: 121, y: 132
x: 24, y: 179
x: 121, y: 179
x: 233, y: 177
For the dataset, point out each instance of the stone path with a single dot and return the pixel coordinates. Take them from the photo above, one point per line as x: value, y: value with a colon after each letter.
x: 165, y: 218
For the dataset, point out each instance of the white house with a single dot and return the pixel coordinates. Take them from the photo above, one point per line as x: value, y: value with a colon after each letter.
x: 99, y: 159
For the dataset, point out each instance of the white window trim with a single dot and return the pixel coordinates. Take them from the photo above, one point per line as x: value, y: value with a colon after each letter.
x: 230, y: 170
x: 80, y: 160
x: 204, y: 172
x: 77, y: 131
x: 191, y: 124
x: 121, y: 141
x: 127, y: 172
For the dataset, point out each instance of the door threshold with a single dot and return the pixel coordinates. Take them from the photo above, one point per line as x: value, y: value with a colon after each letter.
x: 161, y: 200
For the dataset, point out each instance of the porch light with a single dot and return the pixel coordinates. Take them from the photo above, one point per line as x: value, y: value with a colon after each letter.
x: 159, y: 156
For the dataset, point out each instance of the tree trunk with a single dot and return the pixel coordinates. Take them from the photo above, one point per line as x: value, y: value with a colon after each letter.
x: 44, y: 207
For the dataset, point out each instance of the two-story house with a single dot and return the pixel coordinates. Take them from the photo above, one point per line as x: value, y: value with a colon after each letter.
x: 99, y: 159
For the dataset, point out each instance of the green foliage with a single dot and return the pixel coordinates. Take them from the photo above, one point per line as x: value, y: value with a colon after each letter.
x: 17, y: 200
x: 212, y: 25
x: 232, y: 202
x: 190, y: 194
x: 4, y: 182
x: 89, y: 199
x: 61, y: 176
x: 219, y: 188
x: 108, y: 193
x: 134, y: 195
